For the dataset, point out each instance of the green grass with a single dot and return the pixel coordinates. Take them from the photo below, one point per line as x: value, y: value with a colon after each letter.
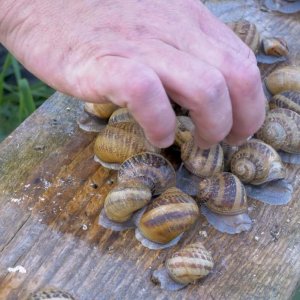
x: 19, y: 97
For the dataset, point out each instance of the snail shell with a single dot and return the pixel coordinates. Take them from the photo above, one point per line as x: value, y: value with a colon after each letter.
x: 168, y: 216
x: 275, y: 46
x: 189, y: 264
x: 50, y: 294
x: 116, y: 143
x: 101, y: 110
x: 126, y: 198
x: 281, y: 130
x: 152, y: 169
x: 202, y: 162
x: 120, y: 115
x: 289, y: 100
x: 284, y: 79
x: 247, y: 32
x: 184, y: 129
x: 228, y: 151
x: 256, y: 162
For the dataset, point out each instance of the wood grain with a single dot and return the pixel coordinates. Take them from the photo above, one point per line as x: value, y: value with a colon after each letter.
x: 52, y: 192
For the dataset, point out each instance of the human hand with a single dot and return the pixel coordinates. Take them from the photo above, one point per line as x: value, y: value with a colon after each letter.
x: 136, y: 54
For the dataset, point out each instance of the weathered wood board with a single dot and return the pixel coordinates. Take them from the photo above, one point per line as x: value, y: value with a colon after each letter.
x: 51, y: 193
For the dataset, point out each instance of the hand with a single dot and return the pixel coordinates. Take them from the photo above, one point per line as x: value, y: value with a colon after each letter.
x: 136, y: 54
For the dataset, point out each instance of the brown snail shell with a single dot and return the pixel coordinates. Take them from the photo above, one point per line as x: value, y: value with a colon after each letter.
x: 152, y: 169
x: 126, y: 198
x: 50, y: 294
x: 275, y: 46
x: 256, y: 162
x: 225, y: 203
x: 289, y: 100
x: 120, y: 115
x: 284, y: 79
x: 202, y: 162
x: 184, y: 129
x: 228, y: 151
x: 281, y: 130
x: 247, y: 32
x: 101, y: 110
x: 116, y: 143
x: 168, y: 216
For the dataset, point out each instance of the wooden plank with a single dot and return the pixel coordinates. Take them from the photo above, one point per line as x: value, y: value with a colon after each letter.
x: 52, y: 192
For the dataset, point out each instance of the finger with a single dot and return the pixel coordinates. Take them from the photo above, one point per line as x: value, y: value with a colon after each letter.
x: 196, y: 86
x: 133, y: 85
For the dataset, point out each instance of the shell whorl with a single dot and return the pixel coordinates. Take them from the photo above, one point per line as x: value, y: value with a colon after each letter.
x: 184, y: 129
x: 190, y: 263
x: 101, y: 110
x: 289, y: 100
x: 169, y: 215
x: 275, y: 46
x: 202, y: 162
x: 151, y: 169
x: 120, y: 115
x: 223, y: 194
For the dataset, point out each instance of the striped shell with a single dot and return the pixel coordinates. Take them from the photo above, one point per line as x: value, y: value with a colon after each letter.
x: 152, y: 169
x: 275, y: 46
x: 116, y: 143
x: 120, y: 115
x: 169, y: 215
x: 284, y: 79
x: 223, y: 194
x: 289, y: 100
x: 126, y: 198
x: 202, y: 162
x: 189, y: 264
x: 281, y: 130
x: 247, y: 32
x: 50, y: 294
x: 101, y: 110
x: 184, y: 129
x: 256, y: 162
x: 228, y: 151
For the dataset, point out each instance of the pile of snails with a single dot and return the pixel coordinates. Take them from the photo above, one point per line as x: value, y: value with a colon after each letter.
x: 162, y: 204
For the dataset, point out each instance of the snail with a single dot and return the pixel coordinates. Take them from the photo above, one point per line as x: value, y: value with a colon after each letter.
x: 275, y: 46
x: 256, y: 162
x: 139, y: 177
x: 289, y: 100
x: 115, y: 143
x: 184, y: 129
x: 166, y: 218
x: 225, y: 203
x: 281, y: 130
x: 202, y: 162
x: 120, y: 115
x: 228, y: 151
x: 101, y: 110
x: 282, y: 6
x: 185, y: 266
x: 283, y: 79
x: 50, y: 294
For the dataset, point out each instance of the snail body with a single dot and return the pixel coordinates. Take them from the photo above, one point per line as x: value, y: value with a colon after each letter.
x: 281, y: 130
x: 200, y: 162
x: 50, y: 294
x: 289, y: 100
x: 168, y: 216
x: 256, y: 162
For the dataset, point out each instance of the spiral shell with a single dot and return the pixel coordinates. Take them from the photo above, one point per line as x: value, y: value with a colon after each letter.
x: 275, y: 46
x: 283, y: 79
x: 281, y: 130
x: 184, y: 129
x: 202, y: 162
x: 50, y: 294
x: 152, y: 169
x: 247, y: 32
x: 126, y: 198
x: 101, y: 110
x: 256, y: 162
x: 169, y: 215
x: 223, y: 194
x: 289, y: 100
x: 120, y: 115
x: 116, y: 143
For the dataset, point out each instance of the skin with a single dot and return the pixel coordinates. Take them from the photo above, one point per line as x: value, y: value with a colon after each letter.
x: 136, y: 53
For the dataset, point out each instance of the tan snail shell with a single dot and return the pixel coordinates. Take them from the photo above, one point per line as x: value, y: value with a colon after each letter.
x: 189, y: 264
x: 115, y: 143
x: 275, y: 46
x: 126, y: 198
x: 120, y: 115
x: 289, y: 100
x: 202, y: 162
x: 256, y: 162
x: 228, y: 151
x: 284, y: 79
x: 101, y: 110
x: 152, y: 169
x: 184, y: 129
x: 50, y: 294
x: 281, y: 130
x: 169, y: 215
x: 247, y: 32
